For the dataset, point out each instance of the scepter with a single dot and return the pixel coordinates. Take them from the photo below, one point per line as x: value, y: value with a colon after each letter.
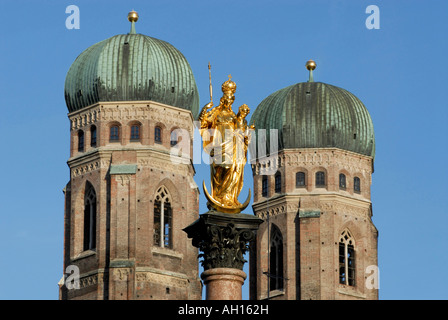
x: 210, y: 79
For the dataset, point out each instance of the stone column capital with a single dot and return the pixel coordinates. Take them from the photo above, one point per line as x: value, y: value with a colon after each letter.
x: 223, y: 238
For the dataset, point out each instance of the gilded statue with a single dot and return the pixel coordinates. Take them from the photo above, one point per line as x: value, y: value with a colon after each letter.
x: 226, y: 137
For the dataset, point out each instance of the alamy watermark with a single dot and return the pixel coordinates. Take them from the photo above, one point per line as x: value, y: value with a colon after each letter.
x: 73, y: 20
x: 251, y: 146
x: 373, y: 20
x: 71, y: 277
x: 372, y: 278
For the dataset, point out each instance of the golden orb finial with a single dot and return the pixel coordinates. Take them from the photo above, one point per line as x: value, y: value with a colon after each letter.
x: 133, y: 16
x: 310, y: 65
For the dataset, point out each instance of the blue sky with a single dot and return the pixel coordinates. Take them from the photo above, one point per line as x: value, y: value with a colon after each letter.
x: 398, y: 71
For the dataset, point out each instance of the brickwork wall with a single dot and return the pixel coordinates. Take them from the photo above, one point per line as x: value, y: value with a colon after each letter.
x: 312, y: 219
x: 126, y: 263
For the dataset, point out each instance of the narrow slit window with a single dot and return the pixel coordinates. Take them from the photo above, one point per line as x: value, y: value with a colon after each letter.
x: 320, y: 179
x: 93, y: 136
x: 114, y: 134
x: 342, y: 181
x: 174, y: 138
x: 300, y: 179
x: 357, y: 184
x: 264, y: 186
x: 158, y: 135
x: 80, y: 141
x: 135, y: 132
x: 278, y: 183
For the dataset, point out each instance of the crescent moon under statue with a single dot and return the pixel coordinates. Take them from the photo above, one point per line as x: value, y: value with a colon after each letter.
x: 221, y: 207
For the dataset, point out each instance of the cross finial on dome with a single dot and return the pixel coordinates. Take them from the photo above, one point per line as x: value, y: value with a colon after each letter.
x: 133, y: 18
x: 311, y: 65
x: 229, y: 87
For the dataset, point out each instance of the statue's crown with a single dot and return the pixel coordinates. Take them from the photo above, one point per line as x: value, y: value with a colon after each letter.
x: 229, y: 87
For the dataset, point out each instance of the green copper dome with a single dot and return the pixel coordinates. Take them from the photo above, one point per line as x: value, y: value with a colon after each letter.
x: 316, y: 115
x: 131, y: 67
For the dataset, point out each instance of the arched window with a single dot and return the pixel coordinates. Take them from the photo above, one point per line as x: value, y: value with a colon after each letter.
x: 264, y: 186
x: 80, y: 141
x: 163, y: 219
x: 347, y: 259
x: 114, y: 134
x: 278, y: 182
x: 135, y: 132
x: 93, y: 136
x: 342, y: 181
x: 300, y: 179
x: 89, y: 218
x: 174, y: 138
x: 276, y: 260
x: 158, y: 135
x: 320, y: 179
x: 357, y: 184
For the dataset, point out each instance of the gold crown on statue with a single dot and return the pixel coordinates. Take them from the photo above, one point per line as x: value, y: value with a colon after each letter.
x: 229, y: 87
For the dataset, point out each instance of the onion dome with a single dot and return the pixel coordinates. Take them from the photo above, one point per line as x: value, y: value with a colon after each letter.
x: 316, y: 115
x: 131, y: 67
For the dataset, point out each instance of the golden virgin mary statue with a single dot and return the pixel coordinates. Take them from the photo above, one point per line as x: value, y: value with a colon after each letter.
x: 226, y: 137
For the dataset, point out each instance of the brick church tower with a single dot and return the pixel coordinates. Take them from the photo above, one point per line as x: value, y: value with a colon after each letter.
x: 312, y: 188
x: 129, y: 194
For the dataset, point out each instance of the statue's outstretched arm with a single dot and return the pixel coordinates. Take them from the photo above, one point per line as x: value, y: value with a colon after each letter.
x: 203, y: 114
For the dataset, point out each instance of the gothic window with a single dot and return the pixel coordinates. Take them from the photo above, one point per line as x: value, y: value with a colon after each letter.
x: 80, y: 141
x: 163, y: 219
x: 264, y: 186
x: 320, y: 179
x: 276, y: 260
x: 89, y: 218
x: 114, y: 133
x: 278, y: 182
x: 135, y: 132
x: 93, y: 136
x: 158, y: 135
x: 300, y: 179
x: 342, y: 181
x: 357, y: 184
x: 347, y: 266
